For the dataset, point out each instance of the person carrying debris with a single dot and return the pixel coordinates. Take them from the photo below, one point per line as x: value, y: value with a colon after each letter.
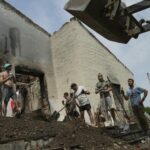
x: 70, y: 106
x: 7, y: 81
x: 80, y: 93
x: 134, y: 94
x: 103, y: 88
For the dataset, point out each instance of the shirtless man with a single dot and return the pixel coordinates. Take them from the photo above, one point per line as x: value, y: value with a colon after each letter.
x: 7, y: 81
x: 103, y: 88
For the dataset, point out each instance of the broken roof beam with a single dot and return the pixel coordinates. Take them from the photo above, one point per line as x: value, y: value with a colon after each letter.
x: 138, y: 7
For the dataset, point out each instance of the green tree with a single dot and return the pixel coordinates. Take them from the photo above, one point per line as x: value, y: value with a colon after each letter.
x: 147, y: 109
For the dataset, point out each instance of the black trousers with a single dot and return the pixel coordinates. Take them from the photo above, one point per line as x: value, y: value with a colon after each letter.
x: 139, y: 113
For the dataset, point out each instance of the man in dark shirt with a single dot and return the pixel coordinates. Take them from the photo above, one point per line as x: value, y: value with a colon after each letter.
x: 70, y: 106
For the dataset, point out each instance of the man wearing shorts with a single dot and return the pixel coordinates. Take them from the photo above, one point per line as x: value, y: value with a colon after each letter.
x: 103, y: 88
x: 80, y: 93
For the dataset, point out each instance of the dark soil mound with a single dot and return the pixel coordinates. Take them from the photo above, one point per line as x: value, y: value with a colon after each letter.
x: 70, y: 135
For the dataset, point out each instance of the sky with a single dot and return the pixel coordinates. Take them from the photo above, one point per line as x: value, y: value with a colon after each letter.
x: 50, y: 15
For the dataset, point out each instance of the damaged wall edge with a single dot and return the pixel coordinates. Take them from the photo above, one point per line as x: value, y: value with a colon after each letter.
x: 27, y: 19
x: 91, y: 34
x: 30, y: 49
x: 61, y: 56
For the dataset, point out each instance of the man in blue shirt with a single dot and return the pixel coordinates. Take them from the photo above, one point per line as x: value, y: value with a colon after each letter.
x: 134, y: 94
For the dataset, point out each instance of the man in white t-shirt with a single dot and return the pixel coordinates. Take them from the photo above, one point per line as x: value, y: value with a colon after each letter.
x: 80, y: 93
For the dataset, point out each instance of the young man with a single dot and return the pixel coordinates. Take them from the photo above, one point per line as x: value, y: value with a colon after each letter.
x: 70, y: 106
x: 7, y: 81
x: 81, y: 93
x: 103, y: 88
x: 134, y: 94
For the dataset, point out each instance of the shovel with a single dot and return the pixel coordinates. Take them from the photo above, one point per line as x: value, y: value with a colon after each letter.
x: 56, y: 114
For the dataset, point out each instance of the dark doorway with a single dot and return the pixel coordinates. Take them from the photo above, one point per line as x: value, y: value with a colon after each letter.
x: 31, y: 88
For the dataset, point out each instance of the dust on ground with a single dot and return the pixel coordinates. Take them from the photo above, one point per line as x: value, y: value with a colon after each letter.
x: 70, y: 134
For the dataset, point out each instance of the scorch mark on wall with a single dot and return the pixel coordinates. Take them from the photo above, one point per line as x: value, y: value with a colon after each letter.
x: 14, y: 35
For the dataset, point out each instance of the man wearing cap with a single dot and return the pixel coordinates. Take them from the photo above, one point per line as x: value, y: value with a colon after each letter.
x: 103, y: 88
x: 7, y: 81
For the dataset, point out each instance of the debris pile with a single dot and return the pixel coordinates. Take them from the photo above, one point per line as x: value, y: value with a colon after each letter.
x: 71, y: 135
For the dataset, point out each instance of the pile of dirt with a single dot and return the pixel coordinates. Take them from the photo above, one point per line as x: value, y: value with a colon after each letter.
x: 75, y: 134
x: 78, y: 134
x: 26, y: 127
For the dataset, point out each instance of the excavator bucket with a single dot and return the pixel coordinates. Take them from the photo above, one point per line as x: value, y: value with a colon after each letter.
x: 108, y: 18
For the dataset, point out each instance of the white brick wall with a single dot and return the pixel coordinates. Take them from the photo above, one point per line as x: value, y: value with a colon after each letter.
x: 79, y: 57
x: 71, y: 55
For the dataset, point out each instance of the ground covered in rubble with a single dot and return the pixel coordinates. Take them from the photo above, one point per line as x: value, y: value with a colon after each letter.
x: 73, y: 134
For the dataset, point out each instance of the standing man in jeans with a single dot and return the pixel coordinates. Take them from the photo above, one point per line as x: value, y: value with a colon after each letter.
x: 80, y: 93
x: 7, y: 81
x: 103, y: 88
x: 134, y: 94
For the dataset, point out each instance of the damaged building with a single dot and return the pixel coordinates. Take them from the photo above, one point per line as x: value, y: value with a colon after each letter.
x: 45, y: 65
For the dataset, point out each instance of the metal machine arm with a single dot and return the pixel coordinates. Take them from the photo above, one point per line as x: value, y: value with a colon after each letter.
x: 138, y: 6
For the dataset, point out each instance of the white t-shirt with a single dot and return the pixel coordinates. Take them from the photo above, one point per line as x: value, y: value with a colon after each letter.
x: 81, y: 97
